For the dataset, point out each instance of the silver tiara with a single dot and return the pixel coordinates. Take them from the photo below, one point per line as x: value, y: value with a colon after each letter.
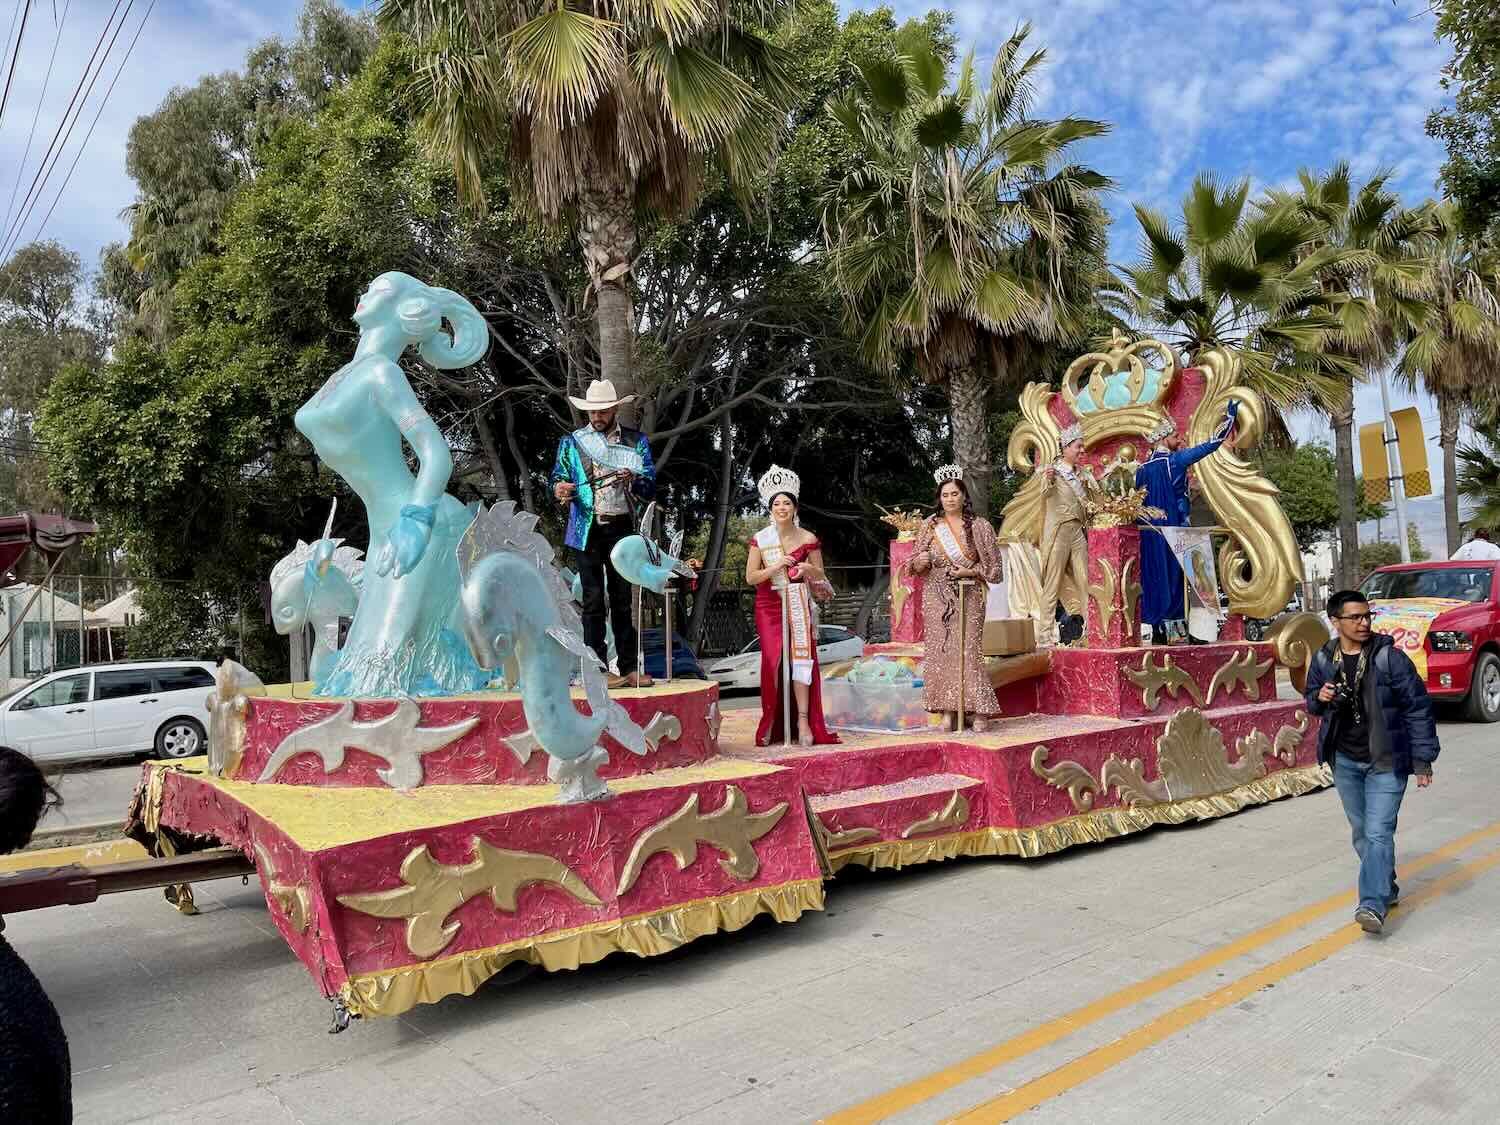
x: 1069, y: 435
x: 947, y: 473
x: 777, y: 479
x: 1162, y: 430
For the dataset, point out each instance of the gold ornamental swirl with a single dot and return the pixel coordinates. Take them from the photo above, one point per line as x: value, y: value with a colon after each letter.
x: 431, y: 891
x: 1260, y: 565
x: 1169, y: 678
x: 1297, y: 640
x: 1130, y: 596
x: 1104, y: 594
x: 1191, y: 761
x: 1033, y: 443
x: 1242, y: 670
x: 731, y: 828
x: 953, y: 815
x: 1072, y: 776
x: 293, y: 900
x: 832, y: 840
x: 1283, y: 748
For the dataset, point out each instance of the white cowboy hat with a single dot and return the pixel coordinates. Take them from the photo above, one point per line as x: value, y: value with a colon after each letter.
x: 601, y: 396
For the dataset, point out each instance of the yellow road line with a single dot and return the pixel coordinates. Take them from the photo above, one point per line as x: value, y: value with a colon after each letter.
x: 1081, y: 1069
x: 902, y: 1098
x: 87, y: 855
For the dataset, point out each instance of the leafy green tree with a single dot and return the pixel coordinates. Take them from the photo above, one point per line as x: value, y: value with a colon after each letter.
x: 962, y: 236
x: 1470, y: 128
x: 44, y: 326
x: 611, y: 109
x: 192, y: 154
x: 1375, y: 269
x: 1242, y: 277
x: 1455, y: 354
x: 1386, y: 552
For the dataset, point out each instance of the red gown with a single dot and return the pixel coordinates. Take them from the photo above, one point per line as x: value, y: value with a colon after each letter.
x: 768, y: 626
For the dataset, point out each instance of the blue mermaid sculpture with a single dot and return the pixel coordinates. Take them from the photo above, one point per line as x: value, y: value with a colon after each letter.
x: 407, y: 636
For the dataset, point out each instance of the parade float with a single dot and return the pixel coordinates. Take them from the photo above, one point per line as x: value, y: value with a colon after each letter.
x: 456, y: 789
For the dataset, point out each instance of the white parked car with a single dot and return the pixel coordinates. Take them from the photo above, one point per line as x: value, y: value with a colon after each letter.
x: 104, y: 710
x: 742, y: 670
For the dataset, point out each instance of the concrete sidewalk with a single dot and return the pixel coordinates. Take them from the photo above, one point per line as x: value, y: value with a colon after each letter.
x: 904, y: 976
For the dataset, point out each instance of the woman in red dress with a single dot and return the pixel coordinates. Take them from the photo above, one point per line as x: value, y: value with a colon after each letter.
x: 785, y: 566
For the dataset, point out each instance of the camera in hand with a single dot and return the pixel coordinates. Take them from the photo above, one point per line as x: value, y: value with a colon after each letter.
x: 1343, y: 695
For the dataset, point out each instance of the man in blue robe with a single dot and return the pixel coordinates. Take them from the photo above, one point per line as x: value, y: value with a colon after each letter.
x: 1164, y: 476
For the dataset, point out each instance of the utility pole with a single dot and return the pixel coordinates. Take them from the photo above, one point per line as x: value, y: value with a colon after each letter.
x: 1393, y: 467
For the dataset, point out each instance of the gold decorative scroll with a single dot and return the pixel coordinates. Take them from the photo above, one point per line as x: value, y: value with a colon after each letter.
x: 1260, y: 566
x: 899, y: 593
x: 293, y: 901
x: 433, y: 890
x: 1075, y: 778
x: 955, y: 814
x: 1130, y: 596
x: 1242, y: 670
x: 1104, y: 593
x: 1297, y: 640
x: 731, y: 828
x: 1033, y: 443
x: 1285, y: 746
x: 1191, y: 761
x: 1169, y: 678
x: 1123, y: 355
x: 832, y: 841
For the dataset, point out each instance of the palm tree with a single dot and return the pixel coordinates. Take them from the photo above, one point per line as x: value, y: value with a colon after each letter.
x: 1479, y: 476
x: 960, y: 237
x: 1373, y: 287
x: 611, y: 108
x: 1241, y: 277
x: 1456, y: 354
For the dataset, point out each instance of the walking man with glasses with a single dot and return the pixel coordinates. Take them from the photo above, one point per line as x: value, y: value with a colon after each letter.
x: 1377, y: 730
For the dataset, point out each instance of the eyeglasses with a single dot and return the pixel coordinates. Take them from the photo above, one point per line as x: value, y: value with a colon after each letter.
x: 1365, y: 617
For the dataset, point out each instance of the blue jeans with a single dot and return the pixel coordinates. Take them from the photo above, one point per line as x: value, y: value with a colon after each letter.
x: 1371, y: 802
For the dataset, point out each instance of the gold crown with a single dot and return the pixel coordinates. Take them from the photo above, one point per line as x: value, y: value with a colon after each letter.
x: 1120, y: 386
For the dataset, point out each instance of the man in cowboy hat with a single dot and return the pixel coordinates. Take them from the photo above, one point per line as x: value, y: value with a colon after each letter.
x: 600, y: 495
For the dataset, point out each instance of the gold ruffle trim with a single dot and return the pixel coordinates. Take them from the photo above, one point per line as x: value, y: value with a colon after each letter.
x: 390, y: 992
x: 1086, y: 828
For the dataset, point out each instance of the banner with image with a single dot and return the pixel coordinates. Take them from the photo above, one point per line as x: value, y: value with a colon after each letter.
x: 1193, y: 547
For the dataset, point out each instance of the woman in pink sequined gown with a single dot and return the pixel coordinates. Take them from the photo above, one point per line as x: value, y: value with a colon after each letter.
x: 954, y: 544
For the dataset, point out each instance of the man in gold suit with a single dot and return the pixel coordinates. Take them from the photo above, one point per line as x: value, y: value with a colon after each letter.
x: 1064, y: 543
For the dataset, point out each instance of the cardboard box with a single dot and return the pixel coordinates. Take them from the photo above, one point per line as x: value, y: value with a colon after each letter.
x: 1008, y: 636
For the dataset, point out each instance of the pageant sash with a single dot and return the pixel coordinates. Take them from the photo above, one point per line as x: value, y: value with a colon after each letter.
x: 949, y: 543
x: 798, y: 606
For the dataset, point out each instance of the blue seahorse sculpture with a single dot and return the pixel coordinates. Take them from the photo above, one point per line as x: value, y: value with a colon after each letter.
x: 517, y: 606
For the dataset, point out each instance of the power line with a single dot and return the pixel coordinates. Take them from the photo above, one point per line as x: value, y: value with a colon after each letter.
x: 36, y: 116
x: 98, y: 112
x: 15, y: 57
x: 64, y: 131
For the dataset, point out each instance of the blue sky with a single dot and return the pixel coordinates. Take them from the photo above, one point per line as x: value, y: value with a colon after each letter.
x: 1252, y: 88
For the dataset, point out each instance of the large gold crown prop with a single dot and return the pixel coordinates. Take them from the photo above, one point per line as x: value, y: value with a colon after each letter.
x: 1115, y: 393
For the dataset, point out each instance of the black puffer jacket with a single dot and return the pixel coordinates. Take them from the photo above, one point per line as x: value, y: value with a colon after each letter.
x: 36, y: 1077
x: 1402, y: 715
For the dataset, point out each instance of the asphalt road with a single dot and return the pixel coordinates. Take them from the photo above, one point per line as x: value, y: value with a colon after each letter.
x: 1203, y: 973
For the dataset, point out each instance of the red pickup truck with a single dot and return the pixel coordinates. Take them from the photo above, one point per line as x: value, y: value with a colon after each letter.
x: 1446, y: 617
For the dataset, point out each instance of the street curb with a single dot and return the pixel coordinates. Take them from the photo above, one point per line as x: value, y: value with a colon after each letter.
x: 76, y: 834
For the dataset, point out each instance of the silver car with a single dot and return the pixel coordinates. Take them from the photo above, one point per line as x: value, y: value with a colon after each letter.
x: 741, y: 672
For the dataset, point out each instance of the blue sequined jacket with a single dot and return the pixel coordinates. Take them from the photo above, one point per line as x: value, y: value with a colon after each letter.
x: 573, y: 465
